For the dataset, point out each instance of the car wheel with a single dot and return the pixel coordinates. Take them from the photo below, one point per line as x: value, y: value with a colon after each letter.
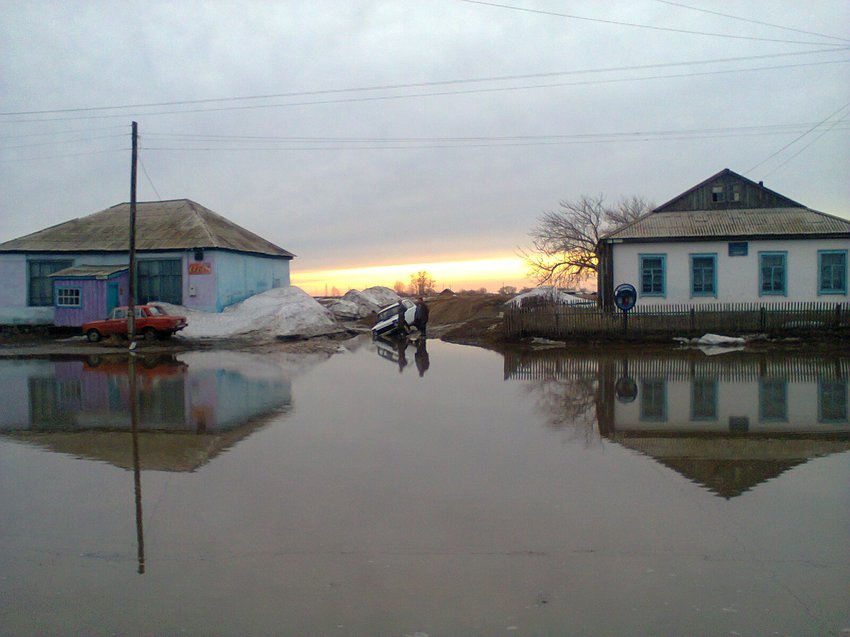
x: 93, y: 336
x: 149, y: 334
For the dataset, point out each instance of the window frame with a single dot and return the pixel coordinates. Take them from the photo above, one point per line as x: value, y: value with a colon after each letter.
x: 704, y: 255
x: 653, y: 399
x: 53, y: 265
x: 829, y: 387
x: 704, y: 392
x: 821, y: 289
x: 76, y: 292
x: 771, y: 388
x: 646, y: 257
x: 773, y: 253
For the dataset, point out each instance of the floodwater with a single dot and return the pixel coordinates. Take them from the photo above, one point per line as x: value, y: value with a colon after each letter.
x: 441, y: 491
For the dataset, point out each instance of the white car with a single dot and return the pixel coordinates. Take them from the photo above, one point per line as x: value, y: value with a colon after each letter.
x: 387, y: 323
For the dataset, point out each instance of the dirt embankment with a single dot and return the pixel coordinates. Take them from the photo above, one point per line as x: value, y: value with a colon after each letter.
x: 473, y: 319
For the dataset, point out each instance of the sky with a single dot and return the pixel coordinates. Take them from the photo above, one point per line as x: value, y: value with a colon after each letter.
x: 377, y: 139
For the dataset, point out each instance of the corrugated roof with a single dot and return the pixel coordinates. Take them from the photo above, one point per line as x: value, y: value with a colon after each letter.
x: 179, y: 224
x: 97, y: 271
x: 701, y: 224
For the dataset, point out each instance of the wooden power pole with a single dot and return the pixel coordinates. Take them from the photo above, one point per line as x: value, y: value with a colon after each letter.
x: 131, y: 303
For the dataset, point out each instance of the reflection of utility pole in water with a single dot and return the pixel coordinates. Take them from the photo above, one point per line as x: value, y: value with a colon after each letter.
x: 137, y: 469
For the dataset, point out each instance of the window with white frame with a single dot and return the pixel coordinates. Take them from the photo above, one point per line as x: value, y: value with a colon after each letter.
x: 832, y: 271
x: 773, y: 273
x: 68, y: 297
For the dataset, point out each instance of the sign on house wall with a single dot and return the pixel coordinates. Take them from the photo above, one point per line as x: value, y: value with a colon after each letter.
x: 200, y: 268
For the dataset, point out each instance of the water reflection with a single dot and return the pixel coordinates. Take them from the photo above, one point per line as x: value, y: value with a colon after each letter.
x: 395, y: 349
x: 190, y: 409
x: 727, y: 423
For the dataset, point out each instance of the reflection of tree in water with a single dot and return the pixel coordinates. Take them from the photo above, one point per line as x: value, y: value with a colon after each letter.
x: 564, y: 388
x: 567, y: 405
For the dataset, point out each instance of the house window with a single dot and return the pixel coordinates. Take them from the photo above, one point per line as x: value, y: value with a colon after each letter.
x: 773, y: 400
x: 40, y: 289
x: 703, y: 275
x: 653, y: 400
x: 160, y: 280
x: 704, y: 399
x: 772, y: 273
x: 736, y: 193
x: 832, y: 271
x: 652, y: 268
x: 832, y: 403
x: 718, y: 194
x: 68, y: 297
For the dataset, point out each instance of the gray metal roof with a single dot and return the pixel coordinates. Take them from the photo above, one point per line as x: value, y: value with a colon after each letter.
x: 179, y: 224
x: 705, y: 224
x: 97, y: 271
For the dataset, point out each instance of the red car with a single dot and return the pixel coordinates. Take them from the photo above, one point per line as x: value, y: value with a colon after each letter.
x: 151, y: 322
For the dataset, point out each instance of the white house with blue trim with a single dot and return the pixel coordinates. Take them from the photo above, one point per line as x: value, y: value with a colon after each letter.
x: 186, y: 254
x: 728, y: 240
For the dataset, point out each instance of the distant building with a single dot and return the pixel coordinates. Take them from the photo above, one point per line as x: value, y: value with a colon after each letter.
x: 728, y: 239
x: 186, y: 254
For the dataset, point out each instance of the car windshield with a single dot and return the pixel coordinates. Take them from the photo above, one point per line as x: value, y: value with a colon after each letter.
x: 388, y: 312
x: 155, y: 310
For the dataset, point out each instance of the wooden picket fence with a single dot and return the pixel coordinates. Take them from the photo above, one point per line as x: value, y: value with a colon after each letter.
x: 562, y: 322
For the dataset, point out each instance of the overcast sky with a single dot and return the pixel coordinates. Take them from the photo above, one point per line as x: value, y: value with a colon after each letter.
x: 367, y: 133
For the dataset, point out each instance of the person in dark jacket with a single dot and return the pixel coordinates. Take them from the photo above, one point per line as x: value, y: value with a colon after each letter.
x: 401, y: 325
x: 420, y: 318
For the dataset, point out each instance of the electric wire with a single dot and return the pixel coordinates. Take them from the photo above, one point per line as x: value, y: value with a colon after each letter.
x: 411, y: 85
x: 353, y: 100
x: 652, y: 27
x: 751, y: 21
x: 796, y: 139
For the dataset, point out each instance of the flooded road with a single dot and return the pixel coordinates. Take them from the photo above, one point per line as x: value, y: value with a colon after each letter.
x: 447, y: 490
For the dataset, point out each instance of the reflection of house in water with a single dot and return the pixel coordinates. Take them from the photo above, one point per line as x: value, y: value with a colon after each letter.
x: 727, y: 422
x: 190, y: 410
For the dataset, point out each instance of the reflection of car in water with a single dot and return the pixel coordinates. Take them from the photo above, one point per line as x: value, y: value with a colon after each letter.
x: 387, y: 322
x: 394, y: 349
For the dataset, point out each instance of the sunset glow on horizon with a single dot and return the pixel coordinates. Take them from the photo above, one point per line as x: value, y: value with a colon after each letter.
x: 470, y: 274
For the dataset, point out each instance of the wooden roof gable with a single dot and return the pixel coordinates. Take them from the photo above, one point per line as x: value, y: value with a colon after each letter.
x: 727, y: 190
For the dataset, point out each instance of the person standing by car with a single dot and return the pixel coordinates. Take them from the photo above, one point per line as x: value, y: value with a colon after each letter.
x: 401, y: 325
x: 420, y: 318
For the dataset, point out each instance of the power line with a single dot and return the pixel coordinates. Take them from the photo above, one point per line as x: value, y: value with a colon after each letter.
x: 634, y: 24
x: 352, y: 100
x: 759, y: 22
x: 409, y: 85
x: 828, y: 129
x: 796, y: 139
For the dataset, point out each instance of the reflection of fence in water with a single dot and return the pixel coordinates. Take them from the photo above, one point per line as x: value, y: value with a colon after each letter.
x: 564, y: 321
x: 560, y: 364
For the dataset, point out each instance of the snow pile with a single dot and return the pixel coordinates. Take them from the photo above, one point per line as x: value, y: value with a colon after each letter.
x: 543, y: 294
x: 279, y: 312
x: 356, y: 305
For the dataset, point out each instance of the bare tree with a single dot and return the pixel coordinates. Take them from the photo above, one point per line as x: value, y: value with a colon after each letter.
x: 399, y: 287
x: 564, y: 241
x: 421, y: 283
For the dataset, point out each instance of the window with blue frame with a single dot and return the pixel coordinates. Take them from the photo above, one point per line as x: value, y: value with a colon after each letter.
x: 653, y: 400
x: 703, y: 275
x: 832, y: 271
x: 704, y: 399
x: 652, y: 274
x: 68, y: 297
x: 832, y: 400
x: 773, y: 273
x: 773, y: 400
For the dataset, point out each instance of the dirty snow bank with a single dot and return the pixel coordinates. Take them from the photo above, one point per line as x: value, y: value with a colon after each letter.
x: 546, y: 292
x: 356, y: 305
x: 279, y: 312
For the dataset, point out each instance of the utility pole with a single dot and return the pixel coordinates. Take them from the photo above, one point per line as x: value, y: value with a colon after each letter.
x: 131, y: 303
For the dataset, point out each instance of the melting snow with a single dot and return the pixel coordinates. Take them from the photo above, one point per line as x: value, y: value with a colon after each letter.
x: 547, y: 292
x: 279, y: 312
